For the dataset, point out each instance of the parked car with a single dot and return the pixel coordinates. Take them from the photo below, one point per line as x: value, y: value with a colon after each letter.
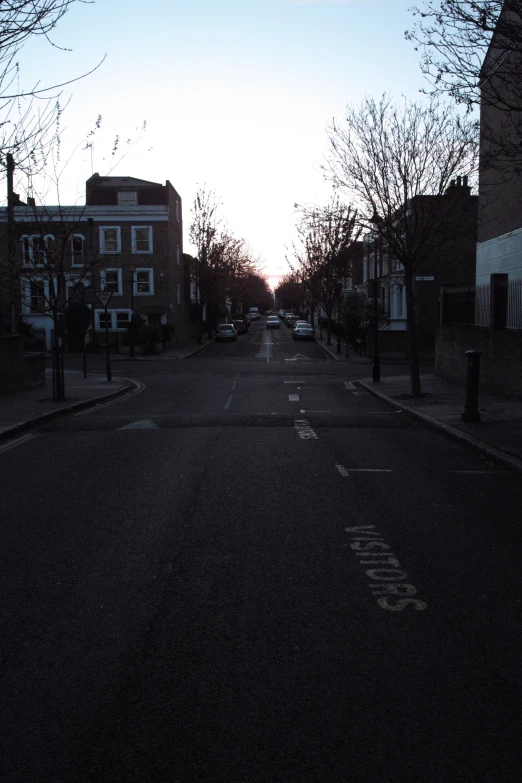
x: 226, y: 332
x: 291, y: 319
x: 272, y: 322
x: 253, y: 316
x: 303, y: 331
x: 239, y: 326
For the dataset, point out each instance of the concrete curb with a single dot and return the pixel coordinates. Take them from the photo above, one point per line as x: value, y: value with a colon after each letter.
x: 498, y: 455
x: 333, y: 355
x: 197, y: 350
x: 91, y: 402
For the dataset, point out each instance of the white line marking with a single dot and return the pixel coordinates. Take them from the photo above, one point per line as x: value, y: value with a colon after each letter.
x: 294, y: 382
x: 369, y: 470
x: 307, y: 411
x: 227, y: 404
x: 233, y: 387
x: 346, y: 471
x: 142, y: 424
x: 18, y: 442
x: 293, y: 398
x: 479, y: 471
x: 304, y: 430
x: 141, y: 387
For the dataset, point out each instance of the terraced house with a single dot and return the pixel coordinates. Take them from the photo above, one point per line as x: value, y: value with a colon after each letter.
x: 126, y: 239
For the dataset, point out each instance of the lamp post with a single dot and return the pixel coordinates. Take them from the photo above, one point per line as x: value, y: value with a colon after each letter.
x: 131, y: 330
x: 376, y: 367
x: 339, y: 288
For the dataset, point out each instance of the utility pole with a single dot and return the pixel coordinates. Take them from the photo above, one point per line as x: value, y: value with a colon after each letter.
x: 10, y: 240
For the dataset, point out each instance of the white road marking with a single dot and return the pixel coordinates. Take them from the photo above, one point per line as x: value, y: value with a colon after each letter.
x: 346, y: 471
x: 307, y: 411
x: 293, y: 398
x: 389, y: 583
x: 304, y: 430
x: 267, y: 347
x: 227, y: 404
x: 299, y: 358
x: 143, y: 424
x: 480, y: 472
x: 349, y: 385
x: 18, y: 442
x: 141, y: 387
x: 294, y: 382
x: 233, y: 387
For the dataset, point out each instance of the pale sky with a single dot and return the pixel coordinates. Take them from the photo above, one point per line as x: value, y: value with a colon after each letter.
x: 236, y: 94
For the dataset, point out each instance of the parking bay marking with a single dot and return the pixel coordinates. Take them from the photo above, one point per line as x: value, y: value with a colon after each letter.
x: 303, y: 429
x: 346, y: 471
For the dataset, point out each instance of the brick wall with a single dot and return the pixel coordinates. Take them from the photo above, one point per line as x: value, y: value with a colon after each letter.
x: 501, y: 363
x: 19, y: 371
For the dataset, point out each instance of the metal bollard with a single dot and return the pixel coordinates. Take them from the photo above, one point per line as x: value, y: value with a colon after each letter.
x: 471, y: 412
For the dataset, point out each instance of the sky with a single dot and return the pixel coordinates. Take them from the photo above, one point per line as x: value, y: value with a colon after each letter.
x: 236, y: 95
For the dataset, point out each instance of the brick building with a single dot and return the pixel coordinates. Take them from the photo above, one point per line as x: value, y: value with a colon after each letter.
x: 127, y: 239
x: 447, y: 260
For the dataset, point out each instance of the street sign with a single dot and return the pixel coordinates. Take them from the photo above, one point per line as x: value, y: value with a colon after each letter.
x: 104, y: 297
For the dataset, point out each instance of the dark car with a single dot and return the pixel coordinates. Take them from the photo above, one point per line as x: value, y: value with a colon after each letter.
x: 239, y: 326
x: 226, y: 332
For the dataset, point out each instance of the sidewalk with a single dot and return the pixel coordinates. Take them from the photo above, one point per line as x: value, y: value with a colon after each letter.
x: 181, y: 352
x: 353, y: 355
x: 498, y: 435
x: 21, y: 410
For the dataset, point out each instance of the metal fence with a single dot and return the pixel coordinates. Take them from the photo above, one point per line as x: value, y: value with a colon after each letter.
x: 514, y: 305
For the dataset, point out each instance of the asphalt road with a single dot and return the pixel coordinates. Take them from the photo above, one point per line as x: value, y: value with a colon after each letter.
x: 255, y: 572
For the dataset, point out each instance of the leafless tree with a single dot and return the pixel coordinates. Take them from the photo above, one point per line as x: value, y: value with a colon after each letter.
x: 397, y: 163
x: 325, y: 235
x: 29, y: 117
x: 223, y: 261
x: 472, y: 52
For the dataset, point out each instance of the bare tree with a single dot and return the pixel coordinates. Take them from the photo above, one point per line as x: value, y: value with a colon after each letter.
x: 472, y: 52
x: 223, y: 261
x: 29, y: 117
x: 55, y: 257
x: 397, y: 164
x: 325, y: 235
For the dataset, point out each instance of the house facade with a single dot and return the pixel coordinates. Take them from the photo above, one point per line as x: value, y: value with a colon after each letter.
x: 126, y: 240
x: 447, y: 261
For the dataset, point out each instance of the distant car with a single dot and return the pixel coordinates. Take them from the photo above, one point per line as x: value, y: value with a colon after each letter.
x: 303, y: 331
x: 239, y: 326
x: 272, y: 322
x: 254, y: 316
x: 281, y: 313
x: 226, y: 332
x: 291, y: 319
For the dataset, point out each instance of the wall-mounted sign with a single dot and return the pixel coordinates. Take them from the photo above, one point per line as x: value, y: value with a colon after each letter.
x: 425, y: 277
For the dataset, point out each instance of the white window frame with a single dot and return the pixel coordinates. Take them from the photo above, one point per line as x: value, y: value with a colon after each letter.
x: 113, y: 316
x: 73, y: 262
x: 103, y: 283
x: 102, y: 240
x: 150, y: 270
x: 127, y: 203
x: 177, y: 255
x: 26, y: 295
x: 134, y: 242
x: 30, y: 253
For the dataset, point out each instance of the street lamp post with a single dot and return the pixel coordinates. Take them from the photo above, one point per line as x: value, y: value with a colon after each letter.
x: 376, y: 367
x: 339, y: 288
x: 132, y: 326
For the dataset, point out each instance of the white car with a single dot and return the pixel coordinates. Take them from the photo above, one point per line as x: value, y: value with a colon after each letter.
x: 303, y: 331
x: 226, y: 332
x: 272, y: 322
